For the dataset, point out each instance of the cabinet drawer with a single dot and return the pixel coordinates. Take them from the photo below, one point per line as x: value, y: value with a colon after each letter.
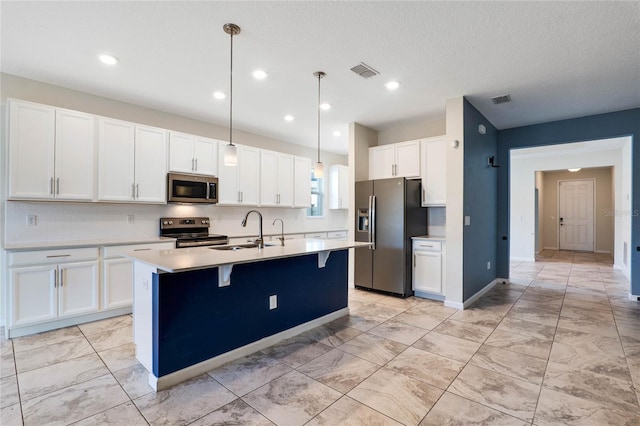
x: 320, y: 235
x: 427, y: 245
x: 52, y: 256
x: 120, y: 251
x: 337, y: 235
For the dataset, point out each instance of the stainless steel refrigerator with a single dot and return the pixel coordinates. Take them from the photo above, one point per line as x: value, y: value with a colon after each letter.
x: 388, y: 214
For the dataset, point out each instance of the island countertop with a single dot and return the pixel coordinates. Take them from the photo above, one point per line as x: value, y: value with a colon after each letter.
x: 186, y: 259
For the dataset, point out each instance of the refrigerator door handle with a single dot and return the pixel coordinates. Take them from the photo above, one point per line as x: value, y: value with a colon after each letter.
x: 372, y: 221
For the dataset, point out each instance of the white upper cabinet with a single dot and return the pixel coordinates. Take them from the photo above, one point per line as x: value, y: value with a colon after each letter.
x: 239, y: 184
x: 434, y: 172
x: 338, y: 187
x: 276, y: 179
x: 132, y: 162
x: 395, y: 160
x: 51, y: 153
x: 302, y: 182
x: 193, y: 154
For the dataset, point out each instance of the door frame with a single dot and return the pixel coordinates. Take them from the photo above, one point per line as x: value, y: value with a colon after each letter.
x: 595, y: 192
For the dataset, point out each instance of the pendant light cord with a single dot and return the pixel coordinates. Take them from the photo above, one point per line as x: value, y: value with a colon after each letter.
x: 319, y: 77
x: 231, y: 94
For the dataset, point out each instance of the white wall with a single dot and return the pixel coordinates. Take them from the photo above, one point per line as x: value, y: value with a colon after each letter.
x: 412, y: 129
x: 623, y: 220
x: 522, y: 181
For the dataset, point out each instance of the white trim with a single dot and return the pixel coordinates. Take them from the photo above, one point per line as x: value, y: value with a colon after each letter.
x: 475, y: 297
x: 427, y: 295
x: 454, y: 305
x: 604, y: 251
x: 634, y: 297
x: 523, y: 259
x: 164, y: 382
x: 550, y: 248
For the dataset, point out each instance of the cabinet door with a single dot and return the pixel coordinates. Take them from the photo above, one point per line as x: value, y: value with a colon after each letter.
x: 228, y: 191
x: 75, y: 155
x: 78, y: 288
x: 33, y: 295
x: 381, y: 162
x: 249, y: 174
x: 268, y: 178
x: 427, y: 271
x: 339, y: 187
x: 301, y: 182
x: 117, y: 283
x: 151, y: 165
x: 434, y: 173
x: 116, y: 153
x: 205, y: 153
x: 285, y: 180
x: 407, y: 159
x: 31, y: 150
x: 181, y: 157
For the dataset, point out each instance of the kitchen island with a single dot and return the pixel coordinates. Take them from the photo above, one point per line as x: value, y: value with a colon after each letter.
x: 197, y: 308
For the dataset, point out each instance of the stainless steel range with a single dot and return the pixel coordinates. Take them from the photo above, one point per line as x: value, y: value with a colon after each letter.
x: 190, y: 232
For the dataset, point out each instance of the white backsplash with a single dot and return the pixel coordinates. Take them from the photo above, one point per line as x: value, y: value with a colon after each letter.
x: 61, y: 221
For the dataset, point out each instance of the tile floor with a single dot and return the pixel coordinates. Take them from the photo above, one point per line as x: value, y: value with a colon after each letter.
x: 559, y: 345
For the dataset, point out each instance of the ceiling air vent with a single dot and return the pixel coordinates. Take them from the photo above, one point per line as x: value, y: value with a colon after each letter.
x: 364, y: 70
x: 497, y: 100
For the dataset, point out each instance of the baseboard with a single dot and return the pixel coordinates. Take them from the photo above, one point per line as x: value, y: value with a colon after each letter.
x: 427, y: 295
x: 164, y: 382
x: 634, y: 297
x: 455, y: 305
x: 549, y: 248
x: 523, y: 259
x: 603, y: 251
x: 475, y: 297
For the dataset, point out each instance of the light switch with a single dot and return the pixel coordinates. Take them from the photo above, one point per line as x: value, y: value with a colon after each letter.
x: 467, y: 220
x: 273, y: 302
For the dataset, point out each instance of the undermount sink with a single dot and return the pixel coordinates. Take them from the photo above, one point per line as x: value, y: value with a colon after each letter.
x: 238, y: 246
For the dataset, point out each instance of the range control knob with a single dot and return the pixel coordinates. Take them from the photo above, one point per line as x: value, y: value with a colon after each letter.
x: 170, y: 222
x: 165, y: 222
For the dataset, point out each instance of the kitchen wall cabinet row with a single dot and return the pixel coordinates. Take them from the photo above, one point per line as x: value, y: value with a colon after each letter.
x: 49, y: 289
x: 59, y: 154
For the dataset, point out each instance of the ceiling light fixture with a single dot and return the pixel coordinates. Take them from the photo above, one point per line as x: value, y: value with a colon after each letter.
x: 325, y: 106
x: 288, y: 117
x: 318, y: 169
x: 575, y: 170
x: 219, y: 95
x: 230, y: 150
x: 259, y: 74
x: 108, y: 59
x: 336, y: 133
x: 392, y: 85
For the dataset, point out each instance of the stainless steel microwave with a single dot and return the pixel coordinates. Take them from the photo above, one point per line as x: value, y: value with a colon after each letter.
x: 187, y: 188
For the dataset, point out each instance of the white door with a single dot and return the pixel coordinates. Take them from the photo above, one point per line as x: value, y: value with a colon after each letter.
x: 75, y: 155
x: 151, y: 165
x: 301, y: 182
x: 407, y: 159
x: 427, y: 271
x: 285, y: 180
x: 228, y: 192
x: 268, y: 178
x: 78, y: 288
x: 381, y: 162
x: 116, y: 151
x: 575, y: 213
x: 205, y: 153
x: 249, y: 174
x: 33, y: 294
x: 117, y: 289
x: 434, y: 173
x: 181, y: 157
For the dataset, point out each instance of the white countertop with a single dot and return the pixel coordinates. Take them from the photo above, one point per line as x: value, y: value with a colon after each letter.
x: 430, y: 238
x: 46, y: 245
x: 185, y: 259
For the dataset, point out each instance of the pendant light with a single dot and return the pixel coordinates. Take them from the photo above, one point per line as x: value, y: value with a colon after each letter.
x: 230, y: 150
x: 318, y: 168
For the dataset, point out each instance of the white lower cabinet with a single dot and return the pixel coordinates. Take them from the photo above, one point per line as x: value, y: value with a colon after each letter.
x: 428, y: 259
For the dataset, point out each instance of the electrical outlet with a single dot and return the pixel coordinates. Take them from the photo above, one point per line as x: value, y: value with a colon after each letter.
x: 488, y: 265
x: 273, y: 302
x: 467, y: 220
x: 32, y: 220
x: 130, y: 219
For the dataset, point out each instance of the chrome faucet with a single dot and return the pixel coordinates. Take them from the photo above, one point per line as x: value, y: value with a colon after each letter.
x: 281, y: 237
x: 260, y: 240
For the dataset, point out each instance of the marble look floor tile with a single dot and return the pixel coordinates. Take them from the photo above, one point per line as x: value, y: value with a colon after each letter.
x: 478, y: 316
x: 402, y: 398
x: 607, y: 390
x: 53, y: 377
x: 559, y: 408
x: 348, y: 412
x: 185, y: 402
x: 9, y: 391
x: 588, y: 326
x: 594, y: 315
x: 600, y: 354
x: 360, y: 322
x: 511, y: 396
x: 430, y: 368
x: 236, y: 413
x: 292, y: 399
x: 45, y: 339
x: 372, y: 348
x: 6, y: 346
x: 125, y: 414
x: 527, y: 328
x: 332, y: 334
x: 105, y: 325
x: 111, y: 338
x: 448, y: 346
x: 119, y: 357
x: 537, y: 306
x: 378, y: 310
x: 597, y: 306
x: 11, y: 415
x: 296, y: 351
x: 435, y: 309
x: 475, y: 333
x: 521, y: 343
x: 134, y: 380
x: 454, y: 410
x: 7, y: 365
x: 419, y: 319
x: 534, y: 315
x: 81, y: 401
x: 51, y: 354
x: 399, y: 332
x: 248, y: 373
x: 339, y: 370
x: 512, y: 364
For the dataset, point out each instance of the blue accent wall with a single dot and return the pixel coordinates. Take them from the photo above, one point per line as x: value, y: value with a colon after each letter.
x: 194, y: 319
x: 480, y: 203
x: 601, y: 126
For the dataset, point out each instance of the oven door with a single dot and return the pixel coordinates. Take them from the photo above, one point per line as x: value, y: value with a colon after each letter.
x: 182, y: 188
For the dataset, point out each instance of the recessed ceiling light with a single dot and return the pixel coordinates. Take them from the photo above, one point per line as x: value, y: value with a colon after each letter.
x: 259, y: 74
x: 392, y: 85
x: 288, y: 117
x: 108, y: 59
x: 219, y: 95
x: 325, y: 107
x: 575, y: 170
x: 336, y: 133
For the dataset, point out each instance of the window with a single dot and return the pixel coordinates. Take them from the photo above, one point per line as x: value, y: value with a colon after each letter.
x: 317, y: 197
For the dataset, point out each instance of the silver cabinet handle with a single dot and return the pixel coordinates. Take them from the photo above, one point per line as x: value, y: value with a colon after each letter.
x: 424, y: 197
x: 193, y: 167
x: 61, y: 277
x: 137, y: 191
x: 57, y: 186
x: 57, y: 255
x: 142, y: 249
x: 133, y: 190
x: 51, y: 186
x: 242, y: 196
x: 196, y: 169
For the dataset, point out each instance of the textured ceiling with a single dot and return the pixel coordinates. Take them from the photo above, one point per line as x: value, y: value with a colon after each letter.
x: 556, y: 59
